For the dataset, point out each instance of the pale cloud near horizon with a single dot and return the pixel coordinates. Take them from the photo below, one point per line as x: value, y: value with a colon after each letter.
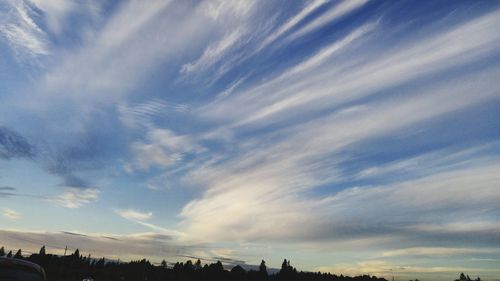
x: 11, y: 214
x: 436, y: 251
x: 74, y: 197
x: 112, y: 246
x: 135, y: 215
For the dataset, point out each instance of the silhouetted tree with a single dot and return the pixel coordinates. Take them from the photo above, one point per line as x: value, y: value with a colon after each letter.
x: 263, y: 267
x: 9, y: 255
x: 188, y: 266
x: 238, y: 270
x: 216, y: 267
x: 464, y: 277
x: 76, y: 254
x: 42, y: 251
x: 2, y: 251
x: 18, y: 254
x: 197, y: 265
x: 286, y: 267
x: 178, y: 266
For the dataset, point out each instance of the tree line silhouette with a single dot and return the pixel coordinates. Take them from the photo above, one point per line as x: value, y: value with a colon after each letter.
x: 77, y: 267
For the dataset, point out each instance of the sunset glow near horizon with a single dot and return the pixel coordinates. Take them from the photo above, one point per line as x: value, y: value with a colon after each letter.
x: 352, y: 137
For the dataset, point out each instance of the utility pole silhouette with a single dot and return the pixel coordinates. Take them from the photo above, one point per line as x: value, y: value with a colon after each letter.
x: 62, y: 263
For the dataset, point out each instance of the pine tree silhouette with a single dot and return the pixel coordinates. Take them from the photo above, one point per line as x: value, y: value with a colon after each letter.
x: 263, y: 267
x: 42, y: 251
x: 18, y: 254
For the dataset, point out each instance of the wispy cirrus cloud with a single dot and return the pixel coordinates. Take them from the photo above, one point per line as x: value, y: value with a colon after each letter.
x: 55, y: 11
x: 292, y: 22
x: 430, y: 55
x: 338, y: 11
x: 213, y: 53
x: 292, y: 163
x: 143, y: 218
x: 19, y: 28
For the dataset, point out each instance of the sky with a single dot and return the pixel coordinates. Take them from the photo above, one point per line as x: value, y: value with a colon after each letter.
x: 352, y: 137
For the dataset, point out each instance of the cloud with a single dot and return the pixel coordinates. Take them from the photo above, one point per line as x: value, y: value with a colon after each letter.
x: 437, y: 251
x: 355, y: 78
x: 143, y: 114
x: 74, y: 197
x: 231, y: 31
x: 142, y: 219
x: 120, y: 54
x: 162, y: 148
x: 435, y: 161
x: 55, y: 11
x: 386, y: 269
x: 292, y: 22
x: 11, y: 214
x: 271, y: 178
x: 134, y: 215
x: 337, y: 12
x: 112, y: 246
x: 285, y: 155
x: 213, y: 53
x: 21, y: 31
x: 271, y: 201
x: 13, y: 145
x: 323, y: 55
x: 6, y: 191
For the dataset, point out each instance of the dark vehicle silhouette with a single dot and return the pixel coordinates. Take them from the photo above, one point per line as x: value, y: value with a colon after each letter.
x: 19, y: 270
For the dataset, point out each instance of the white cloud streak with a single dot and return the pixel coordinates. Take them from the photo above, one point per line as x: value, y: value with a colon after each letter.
x: 23, y: 34
x: 292, y: 22
x: 142, y: 218
x: 337, y: 12
x: 213, y: 53
x: 75, y: 197
x: 11, y: 214
x: 437, y: 251
x: 55, y: 12
x: 134, y: 215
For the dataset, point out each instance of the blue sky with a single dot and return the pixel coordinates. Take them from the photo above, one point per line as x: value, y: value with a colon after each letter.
x: 356, y: 137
